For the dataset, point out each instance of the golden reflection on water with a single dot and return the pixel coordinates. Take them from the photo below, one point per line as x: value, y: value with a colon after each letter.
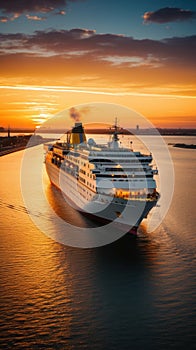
x: 62, y: 209
x: 31, y: 270
x: 52, y: 294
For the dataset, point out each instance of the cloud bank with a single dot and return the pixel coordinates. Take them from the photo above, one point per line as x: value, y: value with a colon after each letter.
x: 21, y: 6
x: 115, y: 49
x: 169, y: 14
x: 13, y: 9
x: 81, y: 57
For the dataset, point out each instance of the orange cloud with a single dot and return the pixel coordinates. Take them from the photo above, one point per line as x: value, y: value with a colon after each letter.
x: 155, y: 77
x: 111, y: 58
x: 28, y: 106
x: 35, y: 18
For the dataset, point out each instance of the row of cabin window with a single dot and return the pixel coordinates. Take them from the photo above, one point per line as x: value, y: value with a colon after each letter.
x: 86, y: 182
x: 125, y: 176
x: 117, y: 161
x: 84, y: 172
x: 84, y: 164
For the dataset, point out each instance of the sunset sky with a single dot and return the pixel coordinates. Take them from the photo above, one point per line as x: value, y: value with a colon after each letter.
x: 55, y: 54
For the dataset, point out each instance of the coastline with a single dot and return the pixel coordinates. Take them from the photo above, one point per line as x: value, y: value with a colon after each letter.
x: 11, y: 150
x: 21, y: 148
x: 18, y: 143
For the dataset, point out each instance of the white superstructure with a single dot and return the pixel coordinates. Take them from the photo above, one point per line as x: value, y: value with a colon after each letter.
x: 110, y: 182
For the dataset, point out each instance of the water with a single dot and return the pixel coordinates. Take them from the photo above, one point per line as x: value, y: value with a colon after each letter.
x: 131, y: 294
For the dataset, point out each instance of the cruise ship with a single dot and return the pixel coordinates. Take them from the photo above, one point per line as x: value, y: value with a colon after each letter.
x: 108, y: 182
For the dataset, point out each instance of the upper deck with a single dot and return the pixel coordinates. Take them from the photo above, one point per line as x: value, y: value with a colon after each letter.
x: 105, y: 167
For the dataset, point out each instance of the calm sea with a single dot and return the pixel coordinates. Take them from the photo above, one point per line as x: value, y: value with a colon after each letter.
x: 131, y: 294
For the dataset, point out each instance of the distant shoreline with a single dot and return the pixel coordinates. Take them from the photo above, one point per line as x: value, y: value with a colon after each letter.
x: 128, y: 131
x: 13, y: 144
x: 39, y: 140
x: 11, y: 150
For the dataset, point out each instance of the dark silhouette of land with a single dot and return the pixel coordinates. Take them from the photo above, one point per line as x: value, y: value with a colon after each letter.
x: 129, y: 131
x: 134, y: 131
x: 9, y: 144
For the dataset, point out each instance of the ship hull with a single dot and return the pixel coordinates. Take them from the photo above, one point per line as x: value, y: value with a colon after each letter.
x: 127, y: 214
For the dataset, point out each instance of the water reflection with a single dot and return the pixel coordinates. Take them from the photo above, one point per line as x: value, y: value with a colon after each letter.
x: 133, y: 291
x: 64, y: 210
